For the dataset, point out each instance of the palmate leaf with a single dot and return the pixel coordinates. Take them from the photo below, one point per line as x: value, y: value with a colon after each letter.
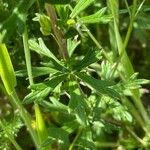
x: 91, y: 57
x: 41, y: 48
x: 115, y: 109
x: 101, y: 86
x: 134, y: 83
x: 52, y: 83
x: 98, y: 17
x: 81, y: 5
x: 41, y: 90
x: 77, y: 103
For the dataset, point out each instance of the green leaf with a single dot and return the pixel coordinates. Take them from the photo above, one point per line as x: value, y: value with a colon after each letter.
x: 56, y: 66
x: 70, y: 126
x: 36, y: 71
x: 115, y: 109
x: 106, y: 70
x: 36, y: 95
x: 41, y: 90
x: 41, y: 48
x: 62, y: 2
x: 86, y: 144
x: 57, y: 135
x: 91, y: 57
x: 45, y: 24
x: 98, y: 17
x: 6, y: 70
x: 134, y: 83
x: 41, y: 127
x: 81, y: 5
x: 71, y: 45
x: 77, y: 103
x: 52, y: 83
x: 101, y: 86
x: 54, y: 106
x: 143, y: 22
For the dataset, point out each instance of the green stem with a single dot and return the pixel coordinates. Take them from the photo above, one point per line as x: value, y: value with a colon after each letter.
x: 130, y: 28
x: 75, y: 139
x: 42, y: 132
x: 106, y: 144
x: 93, y: 39
x: 27, y: 55
x: 128, y: 68
x: 25, y: 116
x: 10, y: 137
x: 135, y: 136
x: 128, y: 8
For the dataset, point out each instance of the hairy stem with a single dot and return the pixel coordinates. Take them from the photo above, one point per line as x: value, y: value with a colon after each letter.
x: 10, y: 137
x: 57, y: 32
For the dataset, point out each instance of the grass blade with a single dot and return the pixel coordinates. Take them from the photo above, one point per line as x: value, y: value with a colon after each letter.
x: 6, y: 70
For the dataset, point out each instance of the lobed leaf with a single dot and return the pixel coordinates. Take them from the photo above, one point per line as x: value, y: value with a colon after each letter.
x: 45, y: 24
x: 71, y: 45
x: 41, y: 90
x: 91, y: 57
x: 41, y: 48
x: 81, y: 5
x: 98, y: 17
x: 36, y: 71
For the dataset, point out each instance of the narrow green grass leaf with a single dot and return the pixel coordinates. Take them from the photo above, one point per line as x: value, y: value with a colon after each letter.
x: 40, y: 127
x: 112, y: 38
x: 81, y: 5
x: 6, y: 70
x: 98, y: 17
